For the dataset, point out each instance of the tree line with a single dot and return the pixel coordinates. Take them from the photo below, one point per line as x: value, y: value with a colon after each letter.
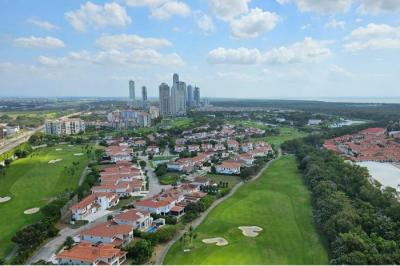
x: 359, y: 219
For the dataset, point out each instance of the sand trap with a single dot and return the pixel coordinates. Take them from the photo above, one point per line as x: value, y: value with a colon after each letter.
x: 32, y: 211
x: 70, y: 145
x: 58, y: 149
x: 78, y: 154
x: 219, y: 241
x: 4, y: 199
x: 55, y: 161
x: 250, y: 231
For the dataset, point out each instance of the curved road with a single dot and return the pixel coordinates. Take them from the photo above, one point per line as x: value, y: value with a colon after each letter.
x: 164, y: 249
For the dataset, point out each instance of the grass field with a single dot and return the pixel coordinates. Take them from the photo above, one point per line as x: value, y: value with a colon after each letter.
x: 280, y: 204
x: 286, y: 133
x: 32, y: 182
x: 231, y: 179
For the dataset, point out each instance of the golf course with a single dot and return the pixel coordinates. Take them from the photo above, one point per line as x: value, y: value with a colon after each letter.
x: 279, y: 204
x: 32, y: 182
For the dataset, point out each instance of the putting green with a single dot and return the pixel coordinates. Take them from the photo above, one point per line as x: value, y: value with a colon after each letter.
x: 279, y: 203
x: 31, y: 182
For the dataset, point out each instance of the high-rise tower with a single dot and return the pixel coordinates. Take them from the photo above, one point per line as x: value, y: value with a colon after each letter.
x: 196, y: 96
x: 144, y: 94
x: 165, y: 99
x: 189, y: 94
x: 131, y: 91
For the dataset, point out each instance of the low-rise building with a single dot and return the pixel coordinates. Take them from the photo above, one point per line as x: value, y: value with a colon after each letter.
x: 139, y: 220
x: 119, y: 153
x: 152, y: 149
x: 108, y: 233
x: 228, y: 168
x: 92, y: 204
x: 89, y: 254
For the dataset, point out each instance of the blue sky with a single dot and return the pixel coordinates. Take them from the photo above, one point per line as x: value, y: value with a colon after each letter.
x: 229, y: 48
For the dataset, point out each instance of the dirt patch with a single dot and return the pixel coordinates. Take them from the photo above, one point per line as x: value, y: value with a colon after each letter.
x: 32, y: 211
x: 250, y: 231
x: 4, y: 199
x: 219, y: 241
x: 58, y: 149
x: 55, y: 161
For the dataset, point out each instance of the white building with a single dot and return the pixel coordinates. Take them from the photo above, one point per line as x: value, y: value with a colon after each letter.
x: 228, y: 168
x: 139, y: 220
x: 64, y: 126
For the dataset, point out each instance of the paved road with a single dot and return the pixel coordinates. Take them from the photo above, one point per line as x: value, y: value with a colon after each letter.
x: 14, y: 142
x: 154, y: 186
x: 162, y: 252
x: 47, y: 251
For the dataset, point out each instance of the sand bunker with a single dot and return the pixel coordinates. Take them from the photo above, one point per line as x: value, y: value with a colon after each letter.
x: 78, y: 154
x: 70, y: 145
x: 32, y: 211
x: 58, y: 149
x: 219, y: 241
x: 250, y: 231
x: 55, y: 161
x: 4, y: 199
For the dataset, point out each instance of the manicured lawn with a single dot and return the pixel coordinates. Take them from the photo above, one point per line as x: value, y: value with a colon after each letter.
x: 32, y: 182
x: 286, y: 133
x: 232, y: 180
x: 280, y: 204
x: 169, y: 178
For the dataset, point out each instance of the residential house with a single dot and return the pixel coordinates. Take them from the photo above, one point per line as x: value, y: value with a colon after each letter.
x: 246, y: 147
x: 108, y: 233
x: 119, y: 153
x: 89, y: 254
x: 93, y: 203
x: 228, y: 168
x: 139, y: 220
x: 179, y: 148
x: 152, y: 149
x: 233, y: 145
x: 194, y: 148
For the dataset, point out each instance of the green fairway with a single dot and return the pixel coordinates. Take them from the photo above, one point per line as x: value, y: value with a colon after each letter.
x: 280, y: 204
x: 32, y: 182
x: 286, y: 133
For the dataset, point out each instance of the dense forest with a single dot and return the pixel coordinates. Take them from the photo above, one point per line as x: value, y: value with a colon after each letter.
x: 375, y: 112
x: 359, y: 219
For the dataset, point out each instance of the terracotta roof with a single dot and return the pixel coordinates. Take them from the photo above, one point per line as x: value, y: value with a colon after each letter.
x: 131, y: 215
x: 152, y: 203
x: 90, y: 253
x: 108, y: 229
x: 229, y: 164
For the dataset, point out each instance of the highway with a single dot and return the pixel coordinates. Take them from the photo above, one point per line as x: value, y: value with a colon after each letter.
x: 7, y: 145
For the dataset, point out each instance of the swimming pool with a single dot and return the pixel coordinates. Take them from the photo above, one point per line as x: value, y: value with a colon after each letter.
x: 152, y: 229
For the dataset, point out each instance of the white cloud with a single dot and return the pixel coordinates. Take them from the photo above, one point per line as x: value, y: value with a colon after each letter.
x: 115, y: 58
x: 98, y: 16
x: 169, y: 9
x: 42, y: 24
x: 309, y: 50
x: 125, y: 41
x: 254, y: 24
x: 148, y: 3
x: 340, y: 71
x: 335, y: 24
x: 39, y: 42
x: 205, y: 23
x: 373, y: 36
x: 379, y: 6
x: 305, y: 26
x: 228, y: 9
x: 321, y: 6
x: 240, y: 56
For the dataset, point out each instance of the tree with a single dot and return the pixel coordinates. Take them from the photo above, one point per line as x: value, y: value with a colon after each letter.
x: 69, y: 242
x: 142, y: 164
x: 140, y: 252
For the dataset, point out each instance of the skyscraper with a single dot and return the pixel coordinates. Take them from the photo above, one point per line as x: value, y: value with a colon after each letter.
x: 144, y: 94
x: 165, y: 99
x: 189, y: 94
x: 131, y: 91
x: 174, y: 88
x: 180, y: 99
x: 196, y: 96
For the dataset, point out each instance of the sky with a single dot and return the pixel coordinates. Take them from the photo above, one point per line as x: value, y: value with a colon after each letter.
x: 228, y: 48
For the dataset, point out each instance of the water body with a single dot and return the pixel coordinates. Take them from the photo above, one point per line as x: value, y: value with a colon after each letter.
x: 343, y: 123
x: 386, y: 173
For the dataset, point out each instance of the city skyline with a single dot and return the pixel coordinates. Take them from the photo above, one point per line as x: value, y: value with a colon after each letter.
x: 249, y: 48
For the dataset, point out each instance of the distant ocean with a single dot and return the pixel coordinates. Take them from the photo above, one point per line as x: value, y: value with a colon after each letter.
x: 352, y: 99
